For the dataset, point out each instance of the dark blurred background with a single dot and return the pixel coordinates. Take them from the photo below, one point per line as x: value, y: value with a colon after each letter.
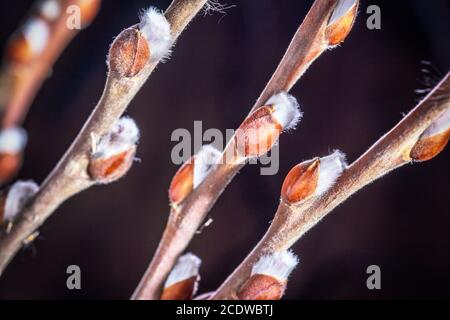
x: 350, y: 96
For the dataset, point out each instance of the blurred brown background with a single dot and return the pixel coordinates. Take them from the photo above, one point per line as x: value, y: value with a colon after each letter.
x: 350, y: 96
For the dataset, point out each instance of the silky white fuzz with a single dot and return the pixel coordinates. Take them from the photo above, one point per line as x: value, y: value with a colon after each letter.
x: 342, y: 7
x: 440, y: 125
x: 278, y: 265
x: 187, y: 267
x: 50, y: 9
x: 36, y: 32
x: 156, y: 29
x: 13, y: 140
x: 287, y: 110
x: 204, y: 161
x: 17, y: 197
x: 331, y: 167
x: 123, y: 136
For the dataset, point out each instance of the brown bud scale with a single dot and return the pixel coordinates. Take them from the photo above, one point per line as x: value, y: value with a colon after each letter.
x: 261, y: 287
x: 9, y: 166
x: 129, y: 53
x: 258, y: 133
x: 107, y: 170
x: 339, y: 30
x: 301, y: 181
x: 182, y: 183
x: 429, y: 147
x: 182, y: 290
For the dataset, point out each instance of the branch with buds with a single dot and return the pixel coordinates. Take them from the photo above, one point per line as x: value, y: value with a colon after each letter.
x: 133, y: 56
x: 314, y: 188
x: 30, y: 55
x: 326, y: 25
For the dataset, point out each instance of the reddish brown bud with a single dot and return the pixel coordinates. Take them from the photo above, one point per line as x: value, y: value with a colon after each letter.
x: 182, y: 183
x: 261, y: 130
x: 301, y: 181
x: 262, y: 287
x: 2, y: 206
x: 192, y: 173
x: 129, y: 53
x: 433, y: 140
x: 113, y: 155
x: 341, y: 21
x: 182, y: 290
x: 110, y: 169
x: 429, y: 147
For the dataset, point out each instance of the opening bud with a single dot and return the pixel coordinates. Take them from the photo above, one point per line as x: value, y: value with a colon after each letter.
x: 269, y: 277
x: 433, y: 140
x: 29, y: 42
x: 313, y: 177
x: 341, y: 21
x: 182, y: 282
x: 261, y: 130
x: 13, y: 200
x: 113, y: 155
x: 192, y: 173
x: 12, y: 144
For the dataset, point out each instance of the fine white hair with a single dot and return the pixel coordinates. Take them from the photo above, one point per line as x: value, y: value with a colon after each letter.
x: 187, y: 267
x: 156, y: 29
x: 204, y: 161
x: 17, y: 197
x: 330, y: 168
x: 123, y: 136
x: 287, y: 110
x: 278, y: 265
x: 13, y: 140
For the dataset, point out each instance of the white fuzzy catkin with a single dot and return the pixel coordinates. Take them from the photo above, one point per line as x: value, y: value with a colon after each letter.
x: 17, y: 197
x: 187, y: 267
x: 13, y: 140
x: 156, y: 29
x: 50, y: 9
x: 123, y: 136
x: 204, y: 161
x: 440, y: 125
x: 330, y: 168
x: 278, y: 265
x: 287, y: 110
x: 342, y: 7
x: 36, y: 32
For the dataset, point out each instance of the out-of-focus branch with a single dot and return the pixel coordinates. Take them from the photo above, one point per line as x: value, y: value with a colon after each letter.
x: 326, y: 25
x: 420, y: 136
x: 130, y: 71
x: 30, y: 55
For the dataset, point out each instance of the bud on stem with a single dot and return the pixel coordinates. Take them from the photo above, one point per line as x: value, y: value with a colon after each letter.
x: 13, y: 200
x: 262, y: 128
x: 183, y: 281
x: 12, y: 144
x: 312, y: 178
x: 341, y: 21
x: 269, y: 277
x: 113, y: 155
x: 136, y: 46
x: 192, y: 173
x: 433, y: 140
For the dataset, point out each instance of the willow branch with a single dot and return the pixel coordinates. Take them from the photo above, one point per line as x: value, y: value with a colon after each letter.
x: 70, y: 176
x: 315, y: 35
x: 395, y: 149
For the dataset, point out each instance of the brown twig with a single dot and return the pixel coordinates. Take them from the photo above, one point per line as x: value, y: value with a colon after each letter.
x: 70, y: 175
x: 392, y: 151
x: 314, y: 36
